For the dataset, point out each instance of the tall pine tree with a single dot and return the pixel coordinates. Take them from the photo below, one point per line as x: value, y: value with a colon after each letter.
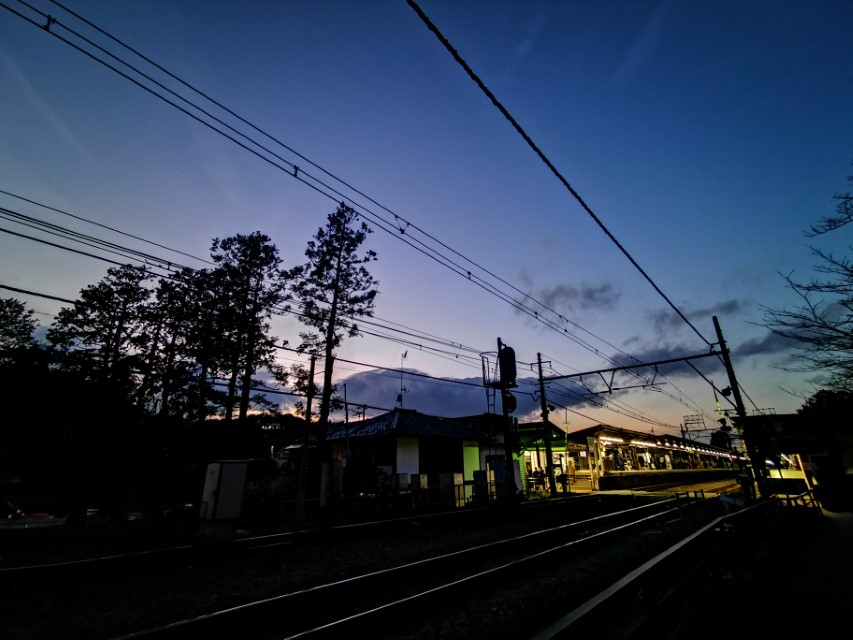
x: 249, y: 274
x: 100, y: 336
x: 334, y: 288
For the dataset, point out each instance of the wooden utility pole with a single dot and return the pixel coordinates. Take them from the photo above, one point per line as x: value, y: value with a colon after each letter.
x: 546, y: 430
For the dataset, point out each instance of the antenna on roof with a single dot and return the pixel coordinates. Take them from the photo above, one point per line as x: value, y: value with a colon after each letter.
x: 402, y: 388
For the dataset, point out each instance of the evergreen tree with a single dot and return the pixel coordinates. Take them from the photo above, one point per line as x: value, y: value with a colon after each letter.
x: 100, y: 336
x: 253, y: 285
x: 16, y: 329
x: 168, y: 366
x: 202, y: 290
x: 827, y: 411
x: 300, y: 384
x: 334, y: 288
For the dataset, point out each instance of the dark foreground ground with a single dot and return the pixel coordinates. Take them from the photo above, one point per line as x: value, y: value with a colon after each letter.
x: 805, y: 591
x: 805, y: 587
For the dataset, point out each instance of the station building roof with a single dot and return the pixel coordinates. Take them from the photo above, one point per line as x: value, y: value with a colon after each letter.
x: 403, y: 423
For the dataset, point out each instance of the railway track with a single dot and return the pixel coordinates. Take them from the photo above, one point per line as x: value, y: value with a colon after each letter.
x: 46, y: 559
x: 457, y: 588
x: 421, y: 576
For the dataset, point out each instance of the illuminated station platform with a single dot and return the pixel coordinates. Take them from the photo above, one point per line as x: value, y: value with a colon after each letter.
x: 603, y: 457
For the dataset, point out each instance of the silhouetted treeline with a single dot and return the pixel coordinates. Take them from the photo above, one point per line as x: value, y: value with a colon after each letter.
x: 146, y: 378
x: 184, y: 346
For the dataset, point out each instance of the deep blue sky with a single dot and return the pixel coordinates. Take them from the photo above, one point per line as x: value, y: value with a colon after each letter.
x: 706, y: 137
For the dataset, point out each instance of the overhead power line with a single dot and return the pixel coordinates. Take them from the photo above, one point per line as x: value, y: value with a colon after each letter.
x: 59, y: 246
x: 402, y: 228
x: 547, y: 162
x: 33, y: 293
x: 81, y: 238
x: 418, y: 337
x: 103, y: 226
x: 399, y: 227
x: 413, y: 374
x: 551, y: 166
x: 599, y: 401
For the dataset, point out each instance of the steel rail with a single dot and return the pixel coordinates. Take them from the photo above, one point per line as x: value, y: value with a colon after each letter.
x: 488, y: 560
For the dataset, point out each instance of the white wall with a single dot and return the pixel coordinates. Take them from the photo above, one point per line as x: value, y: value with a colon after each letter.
x: 407, y: 455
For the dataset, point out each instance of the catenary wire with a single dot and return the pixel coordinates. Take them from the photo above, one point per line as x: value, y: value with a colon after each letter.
x: 601, y: 404
x: 627, y: 411
x: 688, y: 402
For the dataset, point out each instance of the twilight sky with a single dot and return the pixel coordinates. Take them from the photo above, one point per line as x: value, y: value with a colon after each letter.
x: 705, y: 137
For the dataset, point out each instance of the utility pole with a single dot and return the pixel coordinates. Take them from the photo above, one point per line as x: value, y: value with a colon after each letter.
x: 506, y: 366
x: 310, y: 392
x: 752, y: 452
x: 302, y: 482
x: 402, y: 389
x: 546, y: 429
x: 346, y: 422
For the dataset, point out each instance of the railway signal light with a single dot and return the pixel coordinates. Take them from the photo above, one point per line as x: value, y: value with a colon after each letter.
x: 510, y: 403
x: 506, y: 363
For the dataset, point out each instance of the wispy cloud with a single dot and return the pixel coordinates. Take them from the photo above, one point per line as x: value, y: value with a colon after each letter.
x: 522, y: 50
x: 568, y: 300
x: 666, y: 321
x: 642, y: 50
x: 769, y: 345
x: 21, y: 86
x: 601, y: 297
x: 783, y: 353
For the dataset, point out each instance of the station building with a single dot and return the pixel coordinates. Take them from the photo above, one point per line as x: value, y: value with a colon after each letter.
x: 418, y: 451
